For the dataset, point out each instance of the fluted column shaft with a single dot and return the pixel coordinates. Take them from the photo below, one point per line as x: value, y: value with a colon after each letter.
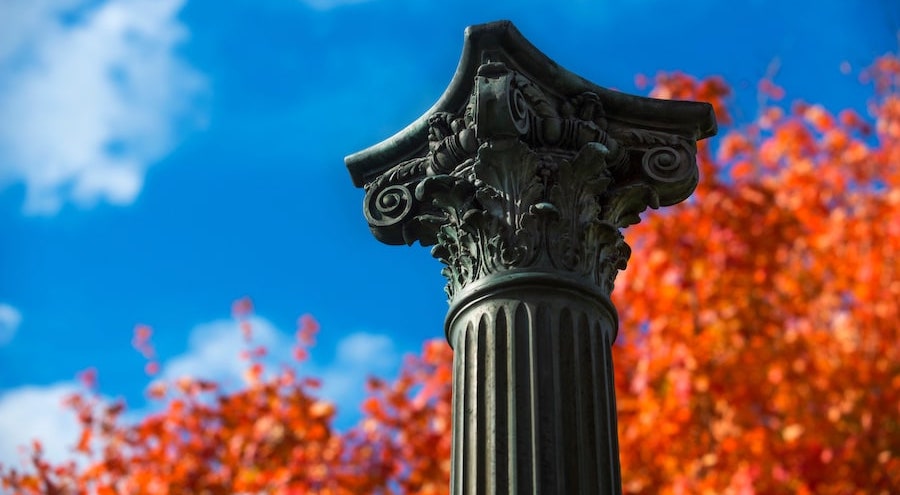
x: 533, y: 393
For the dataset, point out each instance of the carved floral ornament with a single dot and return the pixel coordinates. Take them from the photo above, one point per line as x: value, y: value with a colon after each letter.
x: 523, y: 178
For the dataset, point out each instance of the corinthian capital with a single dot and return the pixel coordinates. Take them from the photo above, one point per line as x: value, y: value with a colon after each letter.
x: 523, y: 167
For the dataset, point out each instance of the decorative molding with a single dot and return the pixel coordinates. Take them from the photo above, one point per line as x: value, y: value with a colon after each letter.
x: 523, y: 178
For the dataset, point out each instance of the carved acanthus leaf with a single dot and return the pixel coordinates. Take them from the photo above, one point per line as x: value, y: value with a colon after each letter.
x: 525, y: 179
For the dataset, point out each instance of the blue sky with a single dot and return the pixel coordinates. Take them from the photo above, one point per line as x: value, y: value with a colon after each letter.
x: 162, y: 158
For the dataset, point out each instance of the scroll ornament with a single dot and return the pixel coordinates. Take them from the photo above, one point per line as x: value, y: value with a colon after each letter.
x: 526, y: 180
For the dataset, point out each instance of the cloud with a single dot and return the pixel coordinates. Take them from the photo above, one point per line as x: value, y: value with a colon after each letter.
x: 10, y: 318
x: 91, y: 94
x: 359, y: 355
x: 214, y: 348
x: 30, y: 412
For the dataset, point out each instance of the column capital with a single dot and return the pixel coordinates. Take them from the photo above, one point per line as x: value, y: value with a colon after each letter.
x: 525, y: 167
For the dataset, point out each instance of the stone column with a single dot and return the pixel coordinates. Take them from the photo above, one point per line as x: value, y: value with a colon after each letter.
x: 521, y: 177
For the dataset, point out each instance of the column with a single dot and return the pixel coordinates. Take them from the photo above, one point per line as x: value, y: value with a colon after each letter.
x: 521, y: 178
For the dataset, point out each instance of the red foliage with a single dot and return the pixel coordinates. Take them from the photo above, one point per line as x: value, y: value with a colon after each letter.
x: 759, y: 319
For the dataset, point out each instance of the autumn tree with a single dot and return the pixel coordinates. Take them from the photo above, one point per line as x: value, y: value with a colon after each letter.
x: 757, y: 350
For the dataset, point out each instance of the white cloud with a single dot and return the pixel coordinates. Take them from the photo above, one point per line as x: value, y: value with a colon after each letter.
x: 10, y: 318
x: 359, y: 355
x: 214, y: 349
x: 29, y: 413
x: 90, y: 96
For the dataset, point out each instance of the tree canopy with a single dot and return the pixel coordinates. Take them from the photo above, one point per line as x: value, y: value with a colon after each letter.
x: 757, y: 350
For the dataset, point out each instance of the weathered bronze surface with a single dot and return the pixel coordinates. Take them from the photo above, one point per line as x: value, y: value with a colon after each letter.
x: 521, y: 177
